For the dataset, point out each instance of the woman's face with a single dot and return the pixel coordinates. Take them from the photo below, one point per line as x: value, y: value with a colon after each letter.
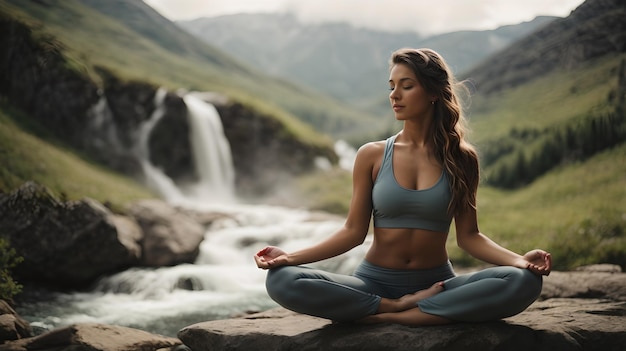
x: 408, y: 98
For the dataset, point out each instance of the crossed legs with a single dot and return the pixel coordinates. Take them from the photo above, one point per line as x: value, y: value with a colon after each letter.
x: 489, y: 294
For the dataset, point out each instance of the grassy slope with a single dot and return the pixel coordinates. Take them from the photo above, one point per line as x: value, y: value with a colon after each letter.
x: 551, y: 211
x: 549, y: 100
x: 25, y: 157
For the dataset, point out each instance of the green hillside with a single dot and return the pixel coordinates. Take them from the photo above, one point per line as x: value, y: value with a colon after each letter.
x: 548, y: 100
x: 560, y: 117
x: 577, y: 211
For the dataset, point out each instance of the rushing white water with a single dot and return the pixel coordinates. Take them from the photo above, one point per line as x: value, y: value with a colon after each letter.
x: 211, y: 152
x: 224, y: 280
x: 155, y: 178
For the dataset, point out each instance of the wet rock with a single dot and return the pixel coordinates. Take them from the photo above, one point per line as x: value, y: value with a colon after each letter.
x: 94, y: 337
x: 66, y: 244
x: 12, y: 326
x: 170, y: 236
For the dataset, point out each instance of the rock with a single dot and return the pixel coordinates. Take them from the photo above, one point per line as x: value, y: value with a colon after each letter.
x: 266, y: 155
x: 586, y: 283
x: 572, y: 322
x: 169, y: 144
x: 607, y: 268
x: 564, y: 324
x: 12, y: 326
x: 170, y: 236
x: 94, y: 337
x: 66, y: 244
x: 71, y: 244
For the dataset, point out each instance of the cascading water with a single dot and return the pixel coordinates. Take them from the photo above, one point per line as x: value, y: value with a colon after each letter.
x: 154, y: 177
x: 211, y: 152
x: 223, y: 281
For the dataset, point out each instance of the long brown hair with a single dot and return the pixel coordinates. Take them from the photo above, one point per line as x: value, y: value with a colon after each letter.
x: 458, y: 157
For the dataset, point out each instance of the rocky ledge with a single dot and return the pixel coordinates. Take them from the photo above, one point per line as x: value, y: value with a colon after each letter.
x: 581, y: 310
x: 578, y: 310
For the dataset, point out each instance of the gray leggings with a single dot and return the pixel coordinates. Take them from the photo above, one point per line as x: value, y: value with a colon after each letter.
x: 489, y: 294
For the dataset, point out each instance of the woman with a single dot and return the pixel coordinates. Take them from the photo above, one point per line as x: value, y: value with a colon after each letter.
x: 413, y: 184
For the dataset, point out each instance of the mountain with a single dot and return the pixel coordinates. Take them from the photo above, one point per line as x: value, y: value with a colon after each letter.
x: 338, y: 59
x: 595, y: 29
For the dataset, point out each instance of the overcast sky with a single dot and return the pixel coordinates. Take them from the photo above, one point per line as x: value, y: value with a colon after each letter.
x: 427, y: 17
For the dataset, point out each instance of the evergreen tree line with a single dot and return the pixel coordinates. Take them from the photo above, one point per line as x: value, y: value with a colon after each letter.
x: 557, y: 146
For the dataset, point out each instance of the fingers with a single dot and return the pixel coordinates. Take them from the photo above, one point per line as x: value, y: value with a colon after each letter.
x: 262, y: 259
x: 548, y: 263
x: 261, y: 263
x: 263, y: 251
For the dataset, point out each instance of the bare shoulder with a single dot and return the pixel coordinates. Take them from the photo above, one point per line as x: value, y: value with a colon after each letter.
x: 369, y: 156
x: 372, y: 149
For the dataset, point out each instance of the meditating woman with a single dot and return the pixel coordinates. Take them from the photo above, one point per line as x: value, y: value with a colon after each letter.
x: 413, y: 184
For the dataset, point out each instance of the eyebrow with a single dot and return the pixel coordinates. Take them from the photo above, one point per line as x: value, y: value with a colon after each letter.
x: 402, y: 79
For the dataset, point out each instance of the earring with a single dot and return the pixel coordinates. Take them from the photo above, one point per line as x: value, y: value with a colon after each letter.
x: 432, y: 102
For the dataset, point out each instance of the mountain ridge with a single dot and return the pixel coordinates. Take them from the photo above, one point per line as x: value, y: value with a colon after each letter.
x: 338, y: 59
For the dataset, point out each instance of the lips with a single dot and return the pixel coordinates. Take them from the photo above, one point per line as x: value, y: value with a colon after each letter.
x: 397, y: 107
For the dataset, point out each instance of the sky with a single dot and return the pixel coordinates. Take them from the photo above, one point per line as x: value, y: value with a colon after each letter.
x: 427, y: 17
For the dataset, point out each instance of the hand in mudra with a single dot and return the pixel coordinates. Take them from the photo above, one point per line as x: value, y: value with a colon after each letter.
x: 270, y: 257
x: 537, y: 261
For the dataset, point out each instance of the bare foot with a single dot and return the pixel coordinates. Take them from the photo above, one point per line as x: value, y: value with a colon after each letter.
x: 410, y: 300
x: 371, y: 319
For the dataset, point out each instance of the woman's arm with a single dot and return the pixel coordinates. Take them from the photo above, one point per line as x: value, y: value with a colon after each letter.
x: 470, y: 239
x: 350, y: 235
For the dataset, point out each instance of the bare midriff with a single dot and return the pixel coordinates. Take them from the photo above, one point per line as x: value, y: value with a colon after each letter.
x: 407, y: 248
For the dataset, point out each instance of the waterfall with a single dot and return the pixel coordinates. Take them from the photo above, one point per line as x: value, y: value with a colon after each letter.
x: 210, y: 149
x: 155, y: 178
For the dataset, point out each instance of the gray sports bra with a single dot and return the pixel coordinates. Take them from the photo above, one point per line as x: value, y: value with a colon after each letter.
x: 399, y: 207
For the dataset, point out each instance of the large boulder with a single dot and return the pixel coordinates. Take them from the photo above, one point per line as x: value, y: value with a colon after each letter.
x: 95, y: 337
x: 171, y: 236
x: 67, y: 244
x: 581, y: 310
x: 12, y: 326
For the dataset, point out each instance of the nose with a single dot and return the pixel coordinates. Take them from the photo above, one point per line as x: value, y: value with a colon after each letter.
x: 394, y: 95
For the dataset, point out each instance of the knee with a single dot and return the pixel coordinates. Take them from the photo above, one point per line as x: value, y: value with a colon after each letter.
x: 279, y: 281
x: 527, y: 283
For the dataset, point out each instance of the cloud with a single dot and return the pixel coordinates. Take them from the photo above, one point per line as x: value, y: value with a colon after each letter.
x: 424, y: 16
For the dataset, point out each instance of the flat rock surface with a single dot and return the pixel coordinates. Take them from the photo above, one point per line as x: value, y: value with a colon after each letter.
x: 582, y: 310
x: 556, y: 324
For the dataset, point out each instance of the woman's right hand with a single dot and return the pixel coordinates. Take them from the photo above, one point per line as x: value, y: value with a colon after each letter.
x: 270, y: 257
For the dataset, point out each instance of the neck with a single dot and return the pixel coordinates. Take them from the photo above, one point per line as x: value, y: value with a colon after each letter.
x: 417, y: 133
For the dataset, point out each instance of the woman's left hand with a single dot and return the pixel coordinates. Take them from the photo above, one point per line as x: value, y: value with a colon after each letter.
x: 537, y: 261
